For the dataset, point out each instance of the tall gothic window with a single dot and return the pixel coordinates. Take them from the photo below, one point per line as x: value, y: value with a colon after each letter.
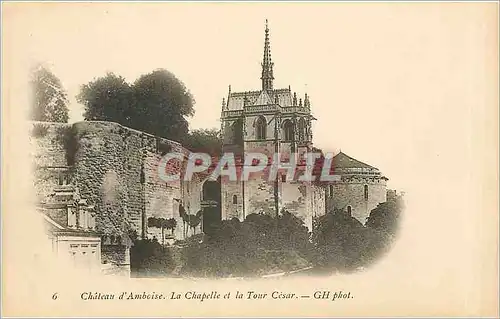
x: 260, y: 128
x: 288, y: 130
x: 237, y: 130
x: 366, y: 192
x: 235, y: 199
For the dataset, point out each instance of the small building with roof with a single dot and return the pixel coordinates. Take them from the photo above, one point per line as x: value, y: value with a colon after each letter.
x: 360, y: 188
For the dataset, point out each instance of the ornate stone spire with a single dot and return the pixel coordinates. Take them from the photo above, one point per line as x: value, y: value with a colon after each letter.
x: 267, y: 65
x: 306, y: 101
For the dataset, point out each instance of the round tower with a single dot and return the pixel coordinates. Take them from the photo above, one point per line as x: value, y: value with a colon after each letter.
x: 360, y: 189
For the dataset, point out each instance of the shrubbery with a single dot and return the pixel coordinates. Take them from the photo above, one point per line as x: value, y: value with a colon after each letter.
x: 344, y: 244
x: 260, y: 244
x: 149, y: 258
x: 263, y: 244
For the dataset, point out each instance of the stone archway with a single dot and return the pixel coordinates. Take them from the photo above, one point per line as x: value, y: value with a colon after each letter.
x: 211, y: 205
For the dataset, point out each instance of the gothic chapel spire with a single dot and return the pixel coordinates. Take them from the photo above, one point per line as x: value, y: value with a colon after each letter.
x: 267, y: 65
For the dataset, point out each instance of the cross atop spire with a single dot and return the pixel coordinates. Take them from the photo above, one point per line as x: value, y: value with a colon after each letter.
x: 267, y: 65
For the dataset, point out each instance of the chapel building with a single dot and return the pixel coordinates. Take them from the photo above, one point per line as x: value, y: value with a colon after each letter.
x: 269, y: 121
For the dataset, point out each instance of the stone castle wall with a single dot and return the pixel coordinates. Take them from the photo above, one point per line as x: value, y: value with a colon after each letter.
x: 256, y: 195
x: 259, y: 195
x: 350, y: 191
x: 115, y: 169
x: 232, y: 207
x: 162, y: 199
x: 108, y: 165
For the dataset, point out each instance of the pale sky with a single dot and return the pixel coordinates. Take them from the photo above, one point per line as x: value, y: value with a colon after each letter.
x: 383, y: 79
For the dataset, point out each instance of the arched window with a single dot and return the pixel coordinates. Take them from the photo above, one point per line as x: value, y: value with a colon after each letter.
x: 349, y: 210
x: 366, y: 192
x: 288, y: 130
x: 302, y: 130
x: 260, y: 128
x: 235, y: 199
x: 330, y: 190
x: 237, y: 129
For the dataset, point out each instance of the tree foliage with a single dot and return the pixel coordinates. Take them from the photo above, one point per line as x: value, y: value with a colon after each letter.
x: 338, y: 238
x: 386, y: 215
x: 49, y: 100
x: 259, y: 244
x: 149, y: 258
x: 343, y: 243
x: 108, y: 98
x: 157, y: 103
x: 162, y: 223
x: 204, y: 141
x: 263, y: 244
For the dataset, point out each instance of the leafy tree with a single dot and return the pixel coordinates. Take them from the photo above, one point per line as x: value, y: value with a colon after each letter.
x: 252, y: 246
x: 163, y: 224
x: 157, y: 103
x: 292, y: 232
x: 339, y: 239
x: 50, y: 101
x: 385, y: 216
x: 344, y: 243
x: 108, y: 98
x: 149, y: 258
x: 171, y: 224
x: 204, y: 141
x: 162, y: 103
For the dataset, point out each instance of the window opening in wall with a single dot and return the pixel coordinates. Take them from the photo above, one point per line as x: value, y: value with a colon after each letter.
x: 62, y: 179
x: 349, y: 209
x: 260, y: 128
x: 235, y: 199
x: 330, y: 190
x: 283, y: 178
x: 366, y: 192
x: 237, y: 129
x: 288, y: 131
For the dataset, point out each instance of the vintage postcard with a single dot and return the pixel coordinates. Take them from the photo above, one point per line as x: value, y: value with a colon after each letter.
x: 223, y: 159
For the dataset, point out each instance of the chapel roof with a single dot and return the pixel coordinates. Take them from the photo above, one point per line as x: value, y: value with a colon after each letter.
x: 342, y: 160
x: 236, y: 100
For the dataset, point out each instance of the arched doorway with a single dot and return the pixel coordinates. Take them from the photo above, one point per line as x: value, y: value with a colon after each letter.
x: 211, y: 205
